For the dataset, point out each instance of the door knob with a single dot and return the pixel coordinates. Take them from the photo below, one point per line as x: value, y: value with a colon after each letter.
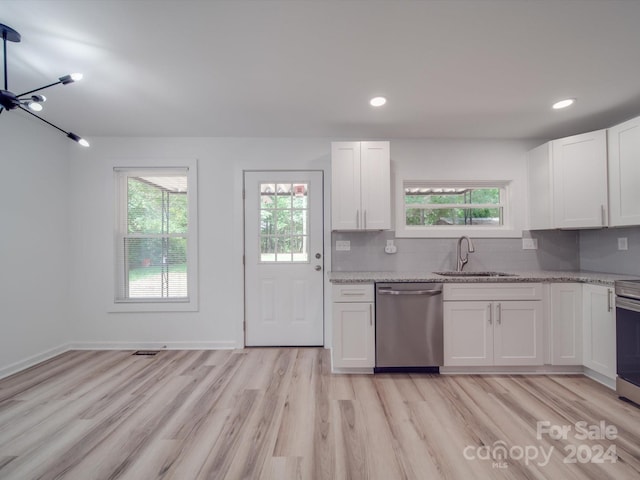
x: 318, y: 268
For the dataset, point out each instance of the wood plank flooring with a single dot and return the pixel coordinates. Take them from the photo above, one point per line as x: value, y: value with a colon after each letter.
x: 278, y: 413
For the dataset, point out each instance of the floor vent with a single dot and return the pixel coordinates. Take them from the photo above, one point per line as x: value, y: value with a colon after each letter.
x: 148, y: 353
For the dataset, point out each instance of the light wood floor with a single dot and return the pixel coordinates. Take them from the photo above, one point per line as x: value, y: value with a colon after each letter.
x: 280, y: 414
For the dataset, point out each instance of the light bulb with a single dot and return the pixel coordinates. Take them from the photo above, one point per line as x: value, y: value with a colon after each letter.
x: 35, y: 106
x: 563, y: 103
x: 377, y: 101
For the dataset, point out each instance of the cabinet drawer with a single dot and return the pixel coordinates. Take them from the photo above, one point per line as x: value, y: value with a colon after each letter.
x: 360, y: 292
x: 493, y: 291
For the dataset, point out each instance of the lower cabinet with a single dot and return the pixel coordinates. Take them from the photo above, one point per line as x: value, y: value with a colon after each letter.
x: 565, y: 339
x: 599, y: 345
x: 353, y: 326
x: 493, y: 332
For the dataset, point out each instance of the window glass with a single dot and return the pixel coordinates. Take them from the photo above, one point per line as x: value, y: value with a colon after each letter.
x: 152, y: 251
x: 284, y: 222
x: 453, y: 206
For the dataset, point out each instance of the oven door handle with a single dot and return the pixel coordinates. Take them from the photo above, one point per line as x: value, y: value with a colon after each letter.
x: 628, y: 304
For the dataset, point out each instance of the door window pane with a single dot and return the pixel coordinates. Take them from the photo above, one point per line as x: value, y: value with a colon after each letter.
x: 284, y: 222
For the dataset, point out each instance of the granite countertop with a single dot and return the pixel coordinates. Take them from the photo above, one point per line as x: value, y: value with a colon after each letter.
x: 606, y: 279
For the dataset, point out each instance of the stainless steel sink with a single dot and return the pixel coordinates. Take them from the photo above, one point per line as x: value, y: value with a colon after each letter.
x: 451, y: 273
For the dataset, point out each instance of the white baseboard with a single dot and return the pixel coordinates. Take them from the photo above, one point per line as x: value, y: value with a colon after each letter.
x: 510, y: 370
x: 600, y: 378
x: 32, y: 360
x: 225, y: 345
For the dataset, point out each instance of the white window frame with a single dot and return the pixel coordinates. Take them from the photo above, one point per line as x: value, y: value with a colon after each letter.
x: 120, y: 174
x: 505, y: 230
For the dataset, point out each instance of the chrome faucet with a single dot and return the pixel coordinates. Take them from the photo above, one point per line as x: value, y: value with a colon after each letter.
x: 463, y: 261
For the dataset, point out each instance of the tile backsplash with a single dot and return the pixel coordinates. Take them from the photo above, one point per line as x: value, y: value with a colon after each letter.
x: 599, y: 250
x: 557, y: 250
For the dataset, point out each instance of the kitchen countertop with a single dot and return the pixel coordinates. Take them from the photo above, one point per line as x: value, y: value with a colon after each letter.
x: 606, y: 279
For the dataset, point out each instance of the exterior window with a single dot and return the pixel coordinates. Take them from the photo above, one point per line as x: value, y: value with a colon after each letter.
x: 153, y: 248
x: 284, y: 222
x: 454, y: 206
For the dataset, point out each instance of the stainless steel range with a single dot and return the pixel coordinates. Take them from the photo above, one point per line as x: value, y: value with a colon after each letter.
x: 628, y: 339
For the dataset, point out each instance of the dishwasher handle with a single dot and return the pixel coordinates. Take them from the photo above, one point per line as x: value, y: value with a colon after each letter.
x: 410, y: 292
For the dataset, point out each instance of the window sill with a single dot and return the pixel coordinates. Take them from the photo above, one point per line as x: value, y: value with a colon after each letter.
x: 455, y: 232
x: 153, y: 306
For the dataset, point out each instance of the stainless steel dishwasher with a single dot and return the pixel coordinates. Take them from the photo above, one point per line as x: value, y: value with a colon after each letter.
x: 409, y: 327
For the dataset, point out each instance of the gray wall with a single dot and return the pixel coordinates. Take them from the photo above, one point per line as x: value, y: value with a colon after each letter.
x: 599, y: 250
x: 588, y: 250
x: 557, y: 250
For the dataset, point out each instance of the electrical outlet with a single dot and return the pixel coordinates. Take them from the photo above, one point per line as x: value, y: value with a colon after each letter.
x: 390, y: 247
x: 529, y: 243
x: 622, y: 243
x: 343, y: 245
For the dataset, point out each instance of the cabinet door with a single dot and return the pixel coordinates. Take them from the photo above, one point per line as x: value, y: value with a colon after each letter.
x: 566, y: 324
x: 517, y: 333
x: 375, y: 185
x: 624, y: 173
x: 353, y: 335
x: 580, y: 180
x: 599, y: 346
x: 345, y: 186
x: 540, y: 182
x: 468, y: 333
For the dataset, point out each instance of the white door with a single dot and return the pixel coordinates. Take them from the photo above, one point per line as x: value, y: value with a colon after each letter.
x: 284, y: 258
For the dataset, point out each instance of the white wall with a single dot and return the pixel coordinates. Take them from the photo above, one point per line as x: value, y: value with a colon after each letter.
x: 84, y: 184
x: 462, y: 159
x: 218, y: 323
x: 34, y: 248
x: 220, y: 165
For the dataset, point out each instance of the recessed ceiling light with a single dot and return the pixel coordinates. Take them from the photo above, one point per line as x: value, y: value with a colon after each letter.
x: 563, y: 103
x: 377, y: 101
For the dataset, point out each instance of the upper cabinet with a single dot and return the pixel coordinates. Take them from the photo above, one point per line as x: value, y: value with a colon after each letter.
x: 540, y: 178
x: 624, y: 173
x: 579, y: 180
x: 567, y: 180
x: 360, y: 186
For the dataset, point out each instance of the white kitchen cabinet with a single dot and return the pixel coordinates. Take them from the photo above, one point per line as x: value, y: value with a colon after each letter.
x: 517, y: 333
x: 565, y: 340
x: 624, y: 173
x: 468, y: 333
x: 353, y: 326
x: 360, y: 186
x: 580, y: 180
x: 540, y: 186
x: 495, y: 331
x: 599, y: 329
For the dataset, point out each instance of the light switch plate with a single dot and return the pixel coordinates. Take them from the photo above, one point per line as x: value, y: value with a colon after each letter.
x: 622, y: 243
x: 343, y: 245
x: 529, y: 243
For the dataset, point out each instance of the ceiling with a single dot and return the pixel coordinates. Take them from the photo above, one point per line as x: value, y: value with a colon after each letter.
x: 307, y: 68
